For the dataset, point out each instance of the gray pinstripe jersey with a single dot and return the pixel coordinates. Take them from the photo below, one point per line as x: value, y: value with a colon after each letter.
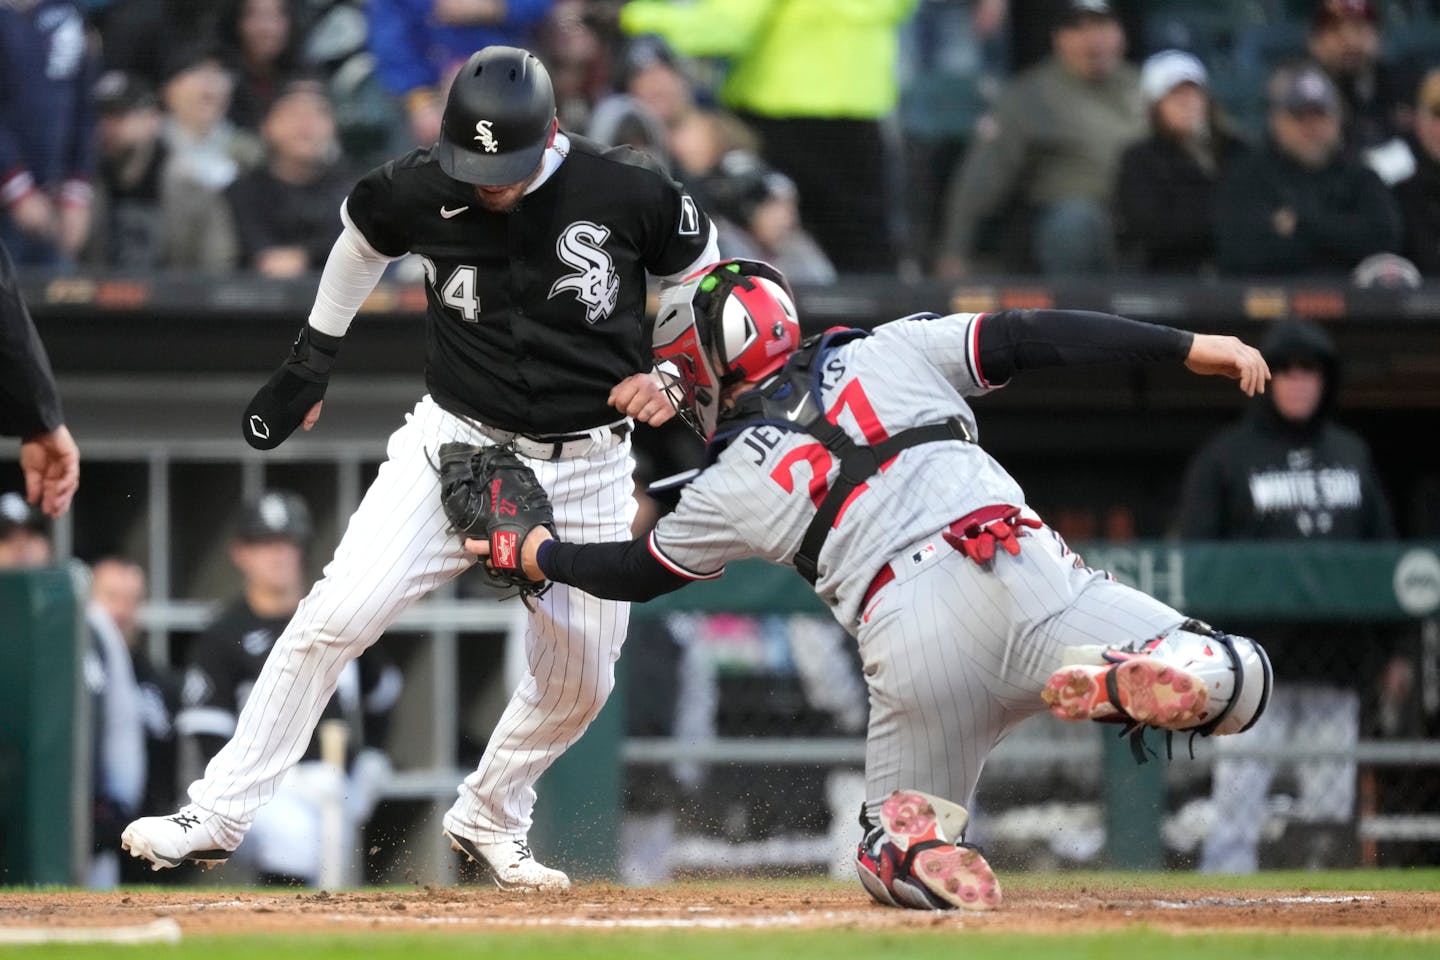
x: 759, y: 496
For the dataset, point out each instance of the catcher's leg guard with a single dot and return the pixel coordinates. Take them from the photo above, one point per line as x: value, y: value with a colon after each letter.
x: 935, y: 870
x: 1235, y: 670
x: 1192, y: 678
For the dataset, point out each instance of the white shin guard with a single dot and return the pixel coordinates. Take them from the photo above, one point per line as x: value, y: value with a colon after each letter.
x: 1235, y: 670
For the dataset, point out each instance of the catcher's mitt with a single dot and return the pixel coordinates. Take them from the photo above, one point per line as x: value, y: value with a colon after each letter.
x: 489, y: 494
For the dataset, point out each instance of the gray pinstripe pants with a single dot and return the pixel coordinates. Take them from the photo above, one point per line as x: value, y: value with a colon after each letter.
x: 955, y: 654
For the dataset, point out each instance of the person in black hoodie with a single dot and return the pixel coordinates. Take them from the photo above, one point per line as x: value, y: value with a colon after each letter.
x: 1287, y: 471
x: 1164, y: 220
x: 1300, y: 205
x: 284, y: 212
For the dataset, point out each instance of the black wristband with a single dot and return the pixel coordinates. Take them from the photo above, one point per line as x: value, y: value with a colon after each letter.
x: 312, y: 354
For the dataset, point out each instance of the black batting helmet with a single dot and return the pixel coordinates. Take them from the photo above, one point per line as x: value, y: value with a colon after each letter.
x: 498, y: 118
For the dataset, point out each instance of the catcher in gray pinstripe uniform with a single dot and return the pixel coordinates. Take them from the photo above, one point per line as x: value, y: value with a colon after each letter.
x: 853, y: 457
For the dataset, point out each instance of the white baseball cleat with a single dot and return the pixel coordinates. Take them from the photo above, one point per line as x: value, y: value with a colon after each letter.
x: 512, y: 864
x: 191, y: 834
x: 927, y: 831
x: 1140, y: 688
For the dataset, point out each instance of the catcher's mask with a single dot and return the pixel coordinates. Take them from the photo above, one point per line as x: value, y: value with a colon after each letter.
x: 730, y: 322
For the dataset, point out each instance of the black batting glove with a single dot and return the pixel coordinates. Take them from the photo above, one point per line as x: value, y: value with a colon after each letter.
x: 282, y: 403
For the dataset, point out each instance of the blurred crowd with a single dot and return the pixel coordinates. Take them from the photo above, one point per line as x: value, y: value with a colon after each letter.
x: 911, y: 137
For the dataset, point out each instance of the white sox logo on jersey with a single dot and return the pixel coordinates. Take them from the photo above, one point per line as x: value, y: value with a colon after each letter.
x: 486, y: 138
x: 594, y: 281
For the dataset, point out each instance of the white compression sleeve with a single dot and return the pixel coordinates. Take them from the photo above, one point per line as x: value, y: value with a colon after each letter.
x: 351, y: 271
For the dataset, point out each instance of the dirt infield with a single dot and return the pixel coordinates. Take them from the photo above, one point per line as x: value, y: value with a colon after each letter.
x: 726, y: 906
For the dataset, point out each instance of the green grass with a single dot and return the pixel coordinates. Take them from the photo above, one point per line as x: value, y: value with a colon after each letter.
x: 967, y: 941
x: 949, y: 944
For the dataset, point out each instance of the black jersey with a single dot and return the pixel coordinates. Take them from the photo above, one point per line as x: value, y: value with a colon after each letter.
x: 226, y: 659
x: 534, y: 315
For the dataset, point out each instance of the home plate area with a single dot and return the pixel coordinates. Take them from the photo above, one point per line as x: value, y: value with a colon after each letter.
x: 709, y: 905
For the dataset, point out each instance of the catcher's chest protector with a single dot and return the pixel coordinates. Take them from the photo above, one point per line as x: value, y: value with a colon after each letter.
x: 774, y: 403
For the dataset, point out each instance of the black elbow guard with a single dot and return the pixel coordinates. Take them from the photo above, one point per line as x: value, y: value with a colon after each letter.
x: 281, y: 404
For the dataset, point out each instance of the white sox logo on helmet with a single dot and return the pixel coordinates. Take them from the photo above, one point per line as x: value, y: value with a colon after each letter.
x: 594, y: 281
x: 486, y: 138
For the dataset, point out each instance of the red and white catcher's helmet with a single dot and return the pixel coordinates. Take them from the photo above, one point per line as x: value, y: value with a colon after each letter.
x: 730, y: 322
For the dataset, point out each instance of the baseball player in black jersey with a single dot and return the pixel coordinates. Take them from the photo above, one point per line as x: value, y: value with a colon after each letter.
x: 535, y: 244
x: 855, y: 458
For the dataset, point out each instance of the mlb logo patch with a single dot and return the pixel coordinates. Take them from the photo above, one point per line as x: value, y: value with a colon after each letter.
x: 504, y: 550
x: 923, y: 554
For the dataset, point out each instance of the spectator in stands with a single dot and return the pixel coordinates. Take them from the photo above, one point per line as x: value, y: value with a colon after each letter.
x: 1165, y: 191
x: 953, y: 58
x: 262, y: 40
x: 651, y: 73
x: 575, y: 55
x: 284, y: 211
x: 46, y: 128
x: 133, y: 704
x: 138, y: 36
x: 129, y: 230
x: 1419, y: 196
x: 1051, y: 150
x: 1345, y: 40
x: 117, y: 591
x: 205, y: 147
x: 1299, y: 204
x: 150, y: 212
x: 757, y: 214
x: 653, y: 97
x: 813, y: 79
x: 205, y: 153
x: 1288, y: 471
x: 269, y: 551
x: 419, y: 44
x: 700, y: 138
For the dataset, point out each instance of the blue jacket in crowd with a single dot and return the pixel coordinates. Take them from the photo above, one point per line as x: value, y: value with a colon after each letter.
x: 46, y: 114
x: 410, y: 48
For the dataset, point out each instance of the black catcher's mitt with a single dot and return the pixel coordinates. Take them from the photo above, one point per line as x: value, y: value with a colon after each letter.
x: 489, y: 494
